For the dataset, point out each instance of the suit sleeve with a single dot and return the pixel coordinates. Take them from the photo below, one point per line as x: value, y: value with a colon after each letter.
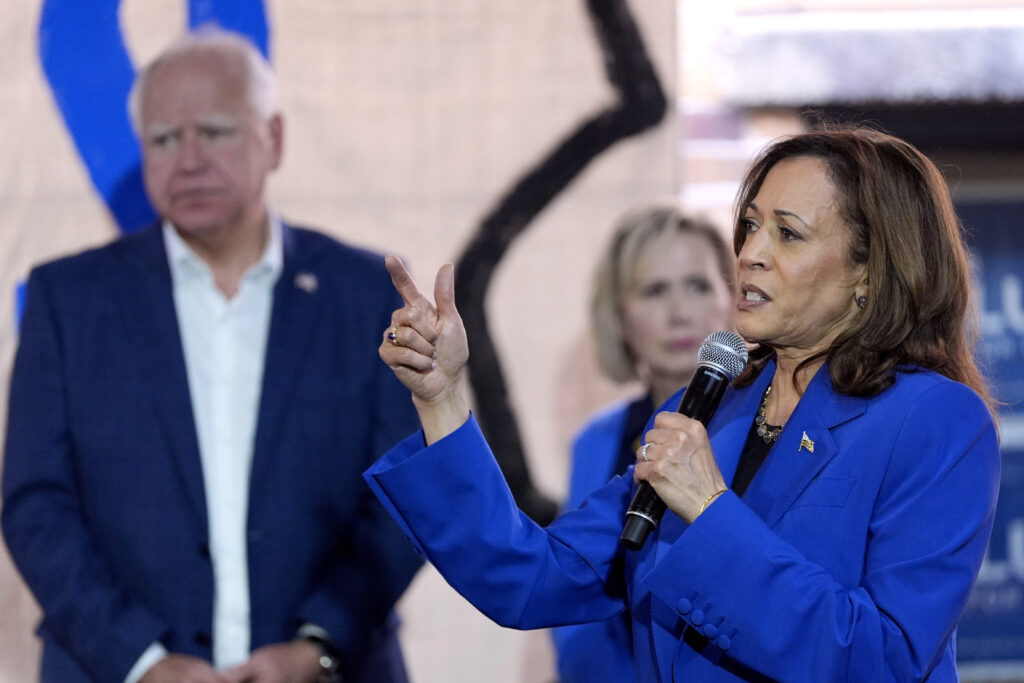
x: 83, y: 606
x: 782, y: 615
x: 356, y: 594
x: 453, y: 503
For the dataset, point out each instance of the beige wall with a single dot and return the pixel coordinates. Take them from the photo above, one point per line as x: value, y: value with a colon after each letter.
x: 405, y: 123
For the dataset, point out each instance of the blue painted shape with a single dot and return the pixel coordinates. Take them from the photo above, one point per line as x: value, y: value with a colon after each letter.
x: 248, y: 17
x: 19, y: 303
x: 87, y: 65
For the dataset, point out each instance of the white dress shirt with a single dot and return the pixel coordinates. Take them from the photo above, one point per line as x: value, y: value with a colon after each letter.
x: 224, y: 342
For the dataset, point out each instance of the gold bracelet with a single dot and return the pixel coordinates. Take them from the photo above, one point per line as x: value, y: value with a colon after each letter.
x: 707, y: 501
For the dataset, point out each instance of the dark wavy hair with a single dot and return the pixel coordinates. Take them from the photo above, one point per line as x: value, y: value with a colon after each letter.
x: 904, y: 230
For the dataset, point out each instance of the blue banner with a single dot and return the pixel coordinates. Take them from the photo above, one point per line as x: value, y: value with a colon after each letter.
x: 993, y: 627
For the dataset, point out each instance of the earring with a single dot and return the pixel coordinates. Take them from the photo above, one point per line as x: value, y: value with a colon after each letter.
x: 862, y: 301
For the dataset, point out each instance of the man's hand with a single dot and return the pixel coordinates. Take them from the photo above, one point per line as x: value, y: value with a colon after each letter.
x: 297, y: 661
x: 182, y: 669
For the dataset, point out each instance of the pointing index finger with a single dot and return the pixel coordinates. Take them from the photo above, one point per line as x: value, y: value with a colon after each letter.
x: 402, y: 280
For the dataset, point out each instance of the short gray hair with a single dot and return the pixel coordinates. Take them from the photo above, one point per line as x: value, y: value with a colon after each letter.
x: 261, y: 82
x: 633, y: 233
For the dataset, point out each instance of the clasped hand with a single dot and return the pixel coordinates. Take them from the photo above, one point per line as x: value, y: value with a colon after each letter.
x: 679, y: 464
x: 296, y: 661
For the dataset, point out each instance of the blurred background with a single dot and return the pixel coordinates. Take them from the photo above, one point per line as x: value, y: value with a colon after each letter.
x: 422, y: 127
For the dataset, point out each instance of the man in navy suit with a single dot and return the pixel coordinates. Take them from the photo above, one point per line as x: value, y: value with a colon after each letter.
x: 191, y: 410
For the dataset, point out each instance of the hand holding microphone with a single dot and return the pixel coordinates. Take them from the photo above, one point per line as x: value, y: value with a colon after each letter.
x: 721, y: 358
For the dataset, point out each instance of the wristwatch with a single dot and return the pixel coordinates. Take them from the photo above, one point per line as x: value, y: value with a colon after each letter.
x: 330, y: 662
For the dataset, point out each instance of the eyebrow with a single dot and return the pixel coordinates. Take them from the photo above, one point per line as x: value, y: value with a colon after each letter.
x: 780, y: 212
x: 783, y: 212
x: 157, y: 129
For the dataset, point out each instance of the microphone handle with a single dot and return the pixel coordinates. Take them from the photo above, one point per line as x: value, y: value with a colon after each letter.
x: 700, y: 400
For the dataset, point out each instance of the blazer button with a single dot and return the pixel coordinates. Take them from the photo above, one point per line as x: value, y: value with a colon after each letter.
x: 204, y: 549
x: 685, y: 606
x: 710, y: 631
x: 202, y: 638
x: 723, y: 642
x: 697, y: 617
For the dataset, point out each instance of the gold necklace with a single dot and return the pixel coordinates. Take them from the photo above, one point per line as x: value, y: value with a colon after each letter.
x: 769, y: 433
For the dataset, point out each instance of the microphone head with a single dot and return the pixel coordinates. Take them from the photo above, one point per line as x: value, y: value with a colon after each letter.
x: 724, y: 350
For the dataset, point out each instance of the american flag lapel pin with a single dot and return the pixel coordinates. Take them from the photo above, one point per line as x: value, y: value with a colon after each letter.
x: 307, y: 282
x: 805, y: 442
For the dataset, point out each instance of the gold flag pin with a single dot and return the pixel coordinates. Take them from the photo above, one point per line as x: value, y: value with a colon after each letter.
x: 805, y: 442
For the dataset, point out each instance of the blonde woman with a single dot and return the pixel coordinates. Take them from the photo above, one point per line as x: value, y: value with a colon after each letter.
x: 662, y: 285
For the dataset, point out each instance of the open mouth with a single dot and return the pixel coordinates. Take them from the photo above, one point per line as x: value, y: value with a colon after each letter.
x: 754, y: 295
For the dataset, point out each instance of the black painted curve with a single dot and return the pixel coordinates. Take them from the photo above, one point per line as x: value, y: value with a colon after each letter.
x: 640, y: 105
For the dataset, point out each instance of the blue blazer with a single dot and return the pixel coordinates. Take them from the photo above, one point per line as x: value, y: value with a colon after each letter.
x: 598, y: 652
x: 851, y: 562
x: 104, y: 509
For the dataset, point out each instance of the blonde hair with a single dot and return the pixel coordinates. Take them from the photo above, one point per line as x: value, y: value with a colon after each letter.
x: 634, y: 232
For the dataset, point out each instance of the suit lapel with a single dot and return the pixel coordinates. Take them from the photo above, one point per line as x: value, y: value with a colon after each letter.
x: 143, y: 292
x: 297, y: 300
x: 784, y: 474
x: 728, y: 431
x: 791, y: 465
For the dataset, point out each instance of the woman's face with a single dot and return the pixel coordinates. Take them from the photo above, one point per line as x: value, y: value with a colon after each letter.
x: 797, y: 285
x: 675, y: 299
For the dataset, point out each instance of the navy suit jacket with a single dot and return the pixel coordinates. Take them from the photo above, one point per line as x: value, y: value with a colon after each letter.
x: 104, y: 508
x: 849, y: 562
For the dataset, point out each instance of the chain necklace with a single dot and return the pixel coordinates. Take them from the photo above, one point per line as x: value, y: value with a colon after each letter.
x: 769, y: 433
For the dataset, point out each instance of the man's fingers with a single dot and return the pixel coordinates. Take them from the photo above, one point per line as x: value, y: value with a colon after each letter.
x: 238, y: 673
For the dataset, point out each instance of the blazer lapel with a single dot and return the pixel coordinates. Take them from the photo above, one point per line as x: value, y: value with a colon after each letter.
x: 728, y: 432
x: 143, y: 291
x: 792, y: 464
x: 297, y: 300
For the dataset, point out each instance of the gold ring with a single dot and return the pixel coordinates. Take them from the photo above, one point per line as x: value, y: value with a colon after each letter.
x: 393, y: 336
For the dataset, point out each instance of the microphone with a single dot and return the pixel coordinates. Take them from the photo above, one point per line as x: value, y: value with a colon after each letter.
x: 720, y: 359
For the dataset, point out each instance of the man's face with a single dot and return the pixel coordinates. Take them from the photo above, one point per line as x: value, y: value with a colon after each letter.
x: 206, y: 152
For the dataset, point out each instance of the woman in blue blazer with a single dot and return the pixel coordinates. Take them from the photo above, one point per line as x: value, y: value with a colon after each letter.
x: 829, y: 522
x: 661, y: 286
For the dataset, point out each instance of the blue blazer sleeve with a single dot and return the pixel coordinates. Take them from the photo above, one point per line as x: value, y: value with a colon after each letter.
x: 466, y: 524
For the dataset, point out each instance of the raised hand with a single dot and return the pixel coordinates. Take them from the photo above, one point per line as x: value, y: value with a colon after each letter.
x: 427, y: 350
